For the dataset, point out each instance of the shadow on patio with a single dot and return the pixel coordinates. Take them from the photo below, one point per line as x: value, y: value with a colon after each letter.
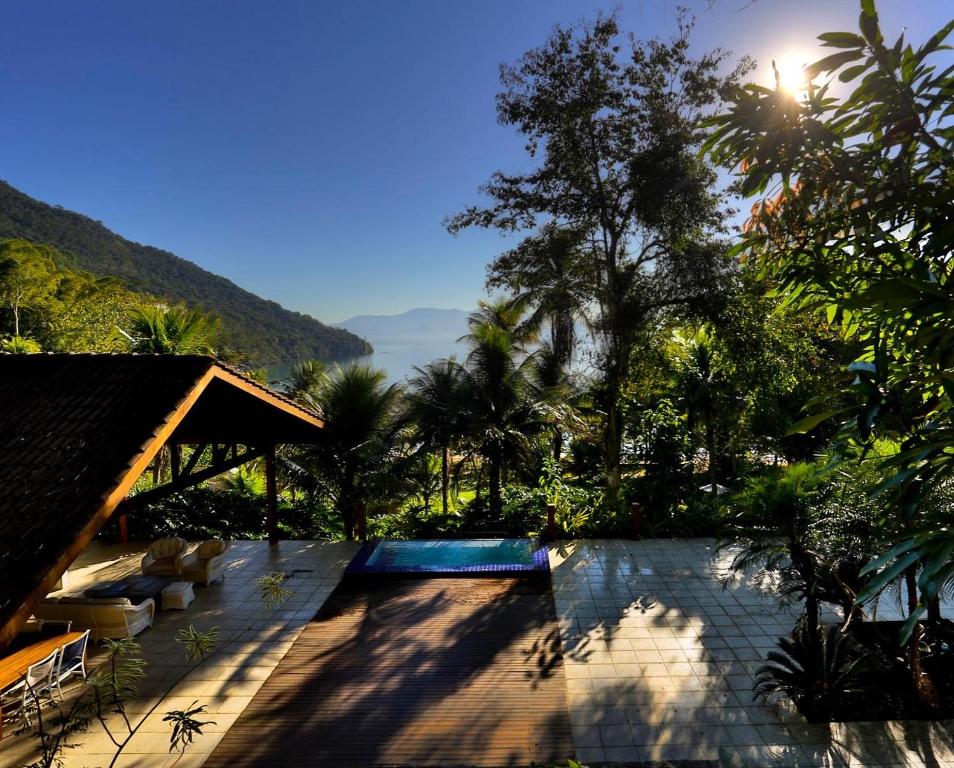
x: 414, y: 672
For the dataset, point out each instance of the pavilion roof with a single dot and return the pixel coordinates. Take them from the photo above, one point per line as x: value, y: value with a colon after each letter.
x: 76, y: 432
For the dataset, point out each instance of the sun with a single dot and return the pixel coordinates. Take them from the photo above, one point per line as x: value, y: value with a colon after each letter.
x: 791, y: 72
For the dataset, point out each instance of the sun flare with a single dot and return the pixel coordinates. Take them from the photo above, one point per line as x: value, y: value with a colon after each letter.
x: 790, y: 70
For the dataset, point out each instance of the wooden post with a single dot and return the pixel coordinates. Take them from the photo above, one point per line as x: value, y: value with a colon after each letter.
x: 637, y: 518
x: 271, y: 496
x: 551, y: 522
x: 123, y: 528
x: 175, y: 460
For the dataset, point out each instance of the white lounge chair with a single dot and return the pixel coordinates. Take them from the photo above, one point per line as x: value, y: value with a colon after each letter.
x: 37, y: 684
x: 72, y: 662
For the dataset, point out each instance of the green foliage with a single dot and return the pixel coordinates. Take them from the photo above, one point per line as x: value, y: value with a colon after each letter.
x: 630, y: 211
x: 261, y: 330
x: 819, y: 671
x: 852, y: 220
x: 61, y: 309
x: 501, y: 408
x: 185, y: 726
x: 176, y: 330
x: 197, y: 644
x: 247, y: 480
x: 20, y: 345
x: 364, y: 439
x: 272, y: 589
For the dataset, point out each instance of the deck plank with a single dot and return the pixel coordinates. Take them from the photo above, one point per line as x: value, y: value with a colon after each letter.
x: 431, y: 672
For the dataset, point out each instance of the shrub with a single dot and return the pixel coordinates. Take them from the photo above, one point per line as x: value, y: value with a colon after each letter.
x: 819, y: 671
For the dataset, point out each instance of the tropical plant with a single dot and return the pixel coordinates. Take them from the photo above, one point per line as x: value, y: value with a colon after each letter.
x: 501, y: 409
x: 852, y: 219
x: 617, y: 137
x: 770, y: 535
x: 819, y: 670
x: 549, y: 272
x: 435, y: 403
x: 305, y: 380
x: 20, y: 345
x: 702, y: 390
x: 364, y: 438
x: 176, y: 330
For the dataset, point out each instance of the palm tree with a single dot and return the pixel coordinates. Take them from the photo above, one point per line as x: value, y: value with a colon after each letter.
x: 305, y: 380
x: 177, y: 330
x: 435, y: 405
x: 552, y: 273
x: 363, y: 438
x: 507, y: 314
x: 502, y: 410
x: 700, y: 389
x: 556, y: 390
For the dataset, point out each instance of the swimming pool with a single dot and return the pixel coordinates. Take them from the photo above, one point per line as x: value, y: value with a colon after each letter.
x: 450, y: 556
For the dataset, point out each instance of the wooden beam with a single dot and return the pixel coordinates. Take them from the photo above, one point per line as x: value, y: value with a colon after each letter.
x: 271, y: 496
x: 193, y: 478
x: 175, y: 460
x: 124, y: 484
x: 263, y: 393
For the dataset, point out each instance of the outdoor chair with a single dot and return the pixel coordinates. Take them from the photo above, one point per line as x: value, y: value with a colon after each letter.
x: 36, y: 684
x: 164, y: 558
x: 72, y: 662
x: 207, y: 563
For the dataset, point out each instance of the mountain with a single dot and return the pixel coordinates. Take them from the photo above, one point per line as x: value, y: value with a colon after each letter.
x: 260, y: 329
x: 424, y: 324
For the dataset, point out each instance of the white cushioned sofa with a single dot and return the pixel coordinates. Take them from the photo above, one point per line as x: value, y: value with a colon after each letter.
x: 107, y: 617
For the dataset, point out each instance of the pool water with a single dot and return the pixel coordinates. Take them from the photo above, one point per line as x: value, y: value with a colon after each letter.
x: 450, y: 556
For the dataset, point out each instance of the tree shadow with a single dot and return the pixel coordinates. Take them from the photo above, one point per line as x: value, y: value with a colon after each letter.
x: 671, y: 708
x: 414, y: 672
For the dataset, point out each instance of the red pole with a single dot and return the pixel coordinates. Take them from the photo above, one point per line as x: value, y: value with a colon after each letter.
x: 551, y: 521
x: 637, y: 518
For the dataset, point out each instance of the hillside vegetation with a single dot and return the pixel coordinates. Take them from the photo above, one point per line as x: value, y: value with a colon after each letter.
x: 262, y: 331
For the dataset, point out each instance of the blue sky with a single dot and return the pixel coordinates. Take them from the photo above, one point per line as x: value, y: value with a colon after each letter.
x: 309, y: 150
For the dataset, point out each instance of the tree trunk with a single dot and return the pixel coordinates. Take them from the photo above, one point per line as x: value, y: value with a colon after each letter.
x: 445, y: 477
x: 612, y: 442
x: 493, y: 484
x: 922, y: 685
x: 710, y: 449
x: 557, y: 446
x: 934, y: 609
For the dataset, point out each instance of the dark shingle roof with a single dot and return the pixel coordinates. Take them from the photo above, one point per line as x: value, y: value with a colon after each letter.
x: 71, y: 426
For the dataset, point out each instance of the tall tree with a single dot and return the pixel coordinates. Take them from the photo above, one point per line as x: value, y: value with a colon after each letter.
x: 617, y: 137
x: 500, y: 406
x: 29, y: 282
x: 551, y: 272
x: 436, y: 407
x: 362, y: 441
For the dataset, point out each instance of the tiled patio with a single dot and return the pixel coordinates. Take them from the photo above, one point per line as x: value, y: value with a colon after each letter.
x: 253, y: 639
x: 659, y: 664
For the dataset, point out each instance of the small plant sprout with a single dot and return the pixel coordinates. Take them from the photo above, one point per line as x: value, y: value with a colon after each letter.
x: 197, y: 644
x: 185, y: 726
x: 273, y: 593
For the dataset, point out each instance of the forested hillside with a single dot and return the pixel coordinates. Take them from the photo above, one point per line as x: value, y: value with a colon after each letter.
x: 262, y: 330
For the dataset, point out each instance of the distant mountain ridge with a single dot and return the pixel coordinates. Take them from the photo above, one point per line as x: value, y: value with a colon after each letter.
x: 415, y: 325
x: 263, y: 330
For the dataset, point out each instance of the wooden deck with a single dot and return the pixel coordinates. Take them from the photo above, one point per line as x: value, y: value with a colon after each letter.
x: 433, y: 672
